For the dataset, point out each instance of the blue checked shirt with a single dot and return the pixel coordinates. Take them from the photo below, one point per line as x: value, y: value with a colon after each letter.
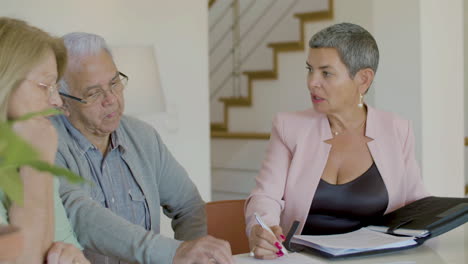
x: 118, y: 190
x: 163, y: 181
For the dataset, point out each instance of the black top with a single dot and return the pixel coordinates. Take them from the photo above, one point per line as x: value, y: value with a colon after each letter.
x: 346, y: 207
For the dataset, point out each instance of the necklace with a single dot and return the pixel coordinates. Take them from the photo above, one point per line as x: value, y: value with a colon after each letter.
x: 336, y: 133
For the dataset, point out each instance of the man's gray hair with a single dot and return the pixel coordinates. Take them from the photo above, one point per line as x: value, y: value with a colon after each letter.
x: 80, y: 45
x: 355, y: 45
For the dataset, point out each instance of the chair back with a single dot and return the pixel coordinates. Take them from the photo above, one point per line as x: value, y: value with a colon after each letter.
x: 226, y: 221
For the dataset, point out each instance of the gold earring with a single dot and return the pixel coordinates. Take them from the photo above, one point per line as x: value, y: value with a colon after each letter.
x: 361, y: 101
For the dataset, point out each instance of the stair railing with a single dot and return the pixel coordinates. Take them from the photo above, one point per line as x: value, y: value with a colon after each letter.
x: 235, y: 52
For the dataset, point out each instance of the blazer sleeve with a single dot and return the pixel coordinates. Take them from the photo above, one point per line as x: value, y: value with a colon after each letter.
x: 415, y: 189
x: 267, y: 197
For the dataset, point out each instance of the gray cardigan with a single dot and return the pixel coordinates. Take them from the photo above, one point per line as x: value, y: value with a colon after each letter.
x: 164, y: 183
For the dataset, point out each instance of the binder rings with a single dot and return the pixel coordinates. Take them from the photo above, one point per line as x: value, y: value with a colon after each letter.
x: 423, y: 219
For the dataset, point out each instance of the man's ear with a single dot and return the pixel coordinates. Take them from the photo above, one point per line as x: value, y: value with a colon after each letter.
x: 364, y: 79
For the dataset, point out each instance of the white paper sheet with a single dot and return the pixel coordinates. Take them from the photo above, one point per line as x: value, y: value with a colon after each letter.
x: 362, y: 238
x: 357, y: 241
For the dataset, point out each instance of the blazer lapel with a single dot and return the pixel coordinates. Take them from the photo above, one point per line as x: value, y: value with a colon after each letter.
x: 377, y: 147
x: 312, y: 156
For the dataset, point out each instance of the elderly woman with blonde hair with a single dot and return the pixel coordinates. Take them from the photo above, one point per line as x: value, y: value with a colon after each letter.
x: 31, y: 62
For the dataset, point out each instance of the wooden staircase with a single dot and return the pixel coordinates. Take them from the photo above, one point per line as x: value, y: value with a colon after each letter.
x: 221, y: 129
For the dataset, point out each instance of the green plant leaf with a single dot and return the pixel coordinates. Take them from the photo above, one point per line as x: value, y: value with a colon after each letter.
x: 15, y: 152
x: 13, y: 149
x: 54, y: 170
x: 11, y: 184
x: 48, y: 112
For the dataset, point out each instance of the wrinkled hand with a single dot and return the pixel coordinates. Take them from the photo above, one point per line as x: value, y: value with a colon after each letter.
x: 205, y: 250
x: 263, y: 244
x: 64, y: 253
x: 41, y: 134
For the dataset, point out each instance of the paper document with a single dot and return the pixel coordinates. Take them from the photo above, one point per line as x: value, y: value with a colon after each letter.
x: 292, y: 258
x: 358, y: 241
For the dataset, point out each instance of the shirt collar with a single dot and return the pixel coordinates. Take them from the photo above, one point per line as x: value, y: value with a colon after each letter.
x: 118, y: 140
x: 84, y: 144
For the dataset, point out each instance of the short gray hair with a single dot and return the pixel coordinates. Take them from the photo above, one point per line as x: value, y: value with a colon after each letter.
x: 355, y: 45
x: 80, y: 45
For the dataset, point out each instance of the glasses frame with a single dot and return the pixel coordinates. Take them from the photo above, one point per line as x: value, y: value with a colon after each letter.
x: 83, y: 101
x: 51, y: 88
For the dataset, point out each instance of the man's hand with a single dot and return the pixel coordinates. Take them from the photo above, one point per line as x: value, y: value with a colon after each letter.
x: 65, y: 253
x: 205, y: 250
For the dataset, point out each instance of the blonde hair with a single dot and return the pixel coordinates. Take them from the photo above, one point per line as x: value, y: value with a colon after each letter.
x: 22, y: 47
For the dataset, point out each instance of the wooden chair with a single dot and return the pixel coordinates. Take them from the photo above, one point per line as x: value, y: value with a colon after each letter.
x: 226, y: 221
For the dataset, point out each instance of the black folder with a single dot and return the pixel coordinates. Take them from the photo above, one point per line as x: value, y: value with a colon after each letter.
x: 437, y: 215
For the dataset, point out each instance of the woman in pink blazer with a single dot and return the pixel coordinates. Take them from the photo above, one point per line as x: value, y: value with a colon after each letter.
x: 340, y: 163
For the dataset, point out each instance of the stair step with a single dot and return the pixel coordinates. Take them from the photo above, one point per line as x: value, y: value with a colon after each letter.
x: 236, y: 101
x: 260, y: 75
x: 287, y: 46
x: 315, y: 16
x: 239, y: 135
x: 220, y: 130
x: 218, y: 127
x: 211, y: 2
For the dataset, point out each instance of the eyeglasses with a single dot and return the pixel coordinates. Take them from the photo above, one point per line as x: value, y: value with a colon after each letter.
x: 116, y: 86
x: 51, y: 89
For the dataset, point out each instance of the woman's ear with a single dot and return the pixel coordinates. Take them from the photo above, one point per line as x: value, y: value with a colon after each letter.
x: 364, y: 79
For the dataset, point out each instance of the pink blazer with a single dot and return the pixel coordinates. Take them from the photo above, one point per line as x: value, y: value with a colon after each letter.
x: 297, y: 155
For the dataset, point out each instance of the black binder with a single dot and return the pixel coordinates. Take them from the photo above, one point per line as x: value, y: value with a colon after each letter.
x: 437, y: 215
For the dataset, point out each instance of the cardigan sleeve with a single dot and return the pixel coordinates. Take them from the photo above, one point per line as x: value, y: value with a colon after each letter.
x: 104, y: 232
x: 267, y: 197
x: 179, y: 197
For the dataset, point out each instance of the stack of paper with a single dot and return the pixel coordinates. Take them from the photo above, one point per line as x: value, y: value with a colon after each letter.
x: 361, y: 240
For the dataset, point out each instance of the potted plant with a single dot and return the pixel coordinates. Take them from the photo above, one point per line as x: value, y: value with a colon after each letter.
x: 14, y: 154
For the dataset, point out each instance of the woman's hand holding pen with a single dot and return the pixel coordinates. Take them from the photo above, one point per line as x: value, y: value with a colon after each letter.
x: 264, y: 245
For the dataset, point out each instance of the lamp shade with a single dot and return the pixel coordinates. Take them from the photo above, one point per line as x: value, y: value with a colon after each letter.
x: 143, y: 94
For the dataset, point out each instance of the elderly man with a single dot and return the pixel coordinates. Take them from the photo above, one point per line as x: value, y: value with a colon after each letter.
x: 117, y: 218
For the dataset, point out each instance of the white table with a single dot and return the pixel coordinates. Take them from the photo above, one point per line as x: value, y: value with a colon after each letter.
x: 450, y: 248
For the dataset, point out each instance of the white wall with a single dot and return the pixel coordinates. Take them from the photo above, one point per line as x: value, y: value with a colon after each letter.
x: 442, y: 96
x: 421, y: 78
x: 398, y: 77
x: 465, y: 17
x: 178, y: 31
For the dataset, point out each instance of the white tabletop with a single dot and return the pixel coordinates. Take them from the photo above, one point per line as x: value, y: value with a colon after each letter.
x: 450, y: 248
